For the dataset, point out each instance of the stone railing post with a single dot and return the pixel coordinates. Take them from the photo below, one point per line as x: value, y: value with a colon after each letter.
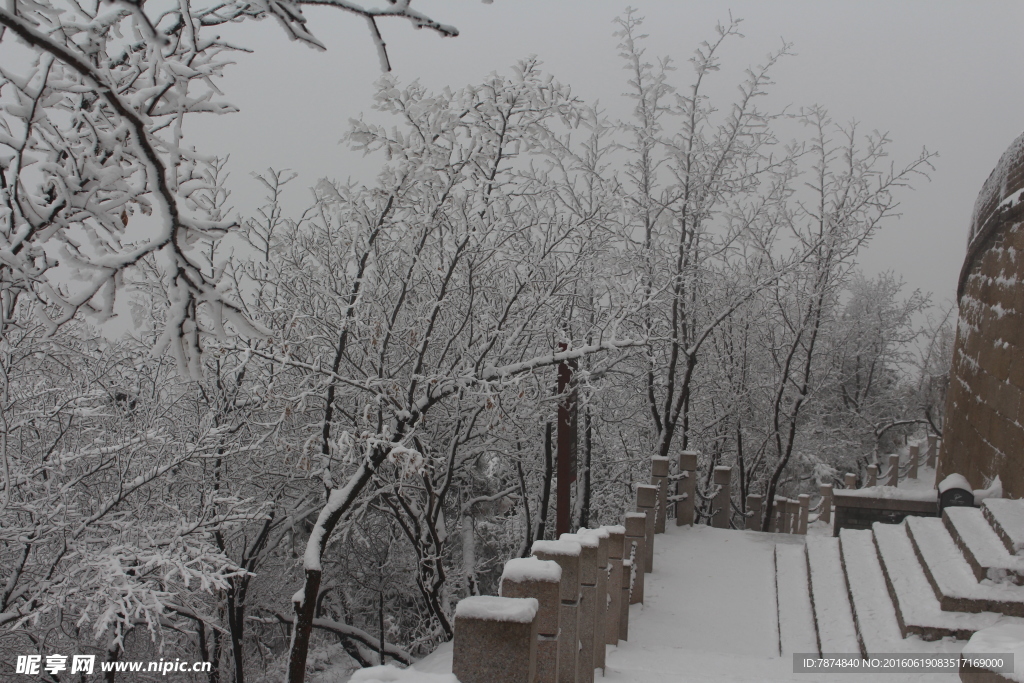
x: 636, y: 549
x: 659, y: 478
x: 686, y: 488
x: 783, y: 505
x: 826, y: 503
x: 850, y: 479
x: 804, y: 501
x: 588, y: 602
x: 495, y: 640
x: 933, y: 450
x: 646, y: 500
x: 872, y: 475
x: 793, y: 509
x: 773, y: 524
x: 529, y: 577
x: 567, y: 555
x: 721, y: 503
x: 894, y: 470
x: 616, y: 539
x: 915, y: 453
x: 753, y: 512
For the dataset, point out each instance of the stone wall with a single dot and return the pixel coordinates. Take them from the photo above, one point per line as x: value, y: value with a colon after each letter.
x: 983, y: 435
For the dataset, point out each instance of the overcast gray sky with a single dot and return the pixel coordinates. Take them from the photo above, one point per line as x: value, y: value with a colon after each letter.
x: 946, y: 75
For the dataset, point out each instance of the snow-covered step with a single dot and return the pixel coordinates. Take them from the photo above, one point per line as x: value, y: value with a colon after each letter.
x: 917, y: 608
x: 830, y: 597
x: 1007, y: 519
x: 796, y: 618
x: 873, y: 611
x: 952, y: 578
x: 982, y: 547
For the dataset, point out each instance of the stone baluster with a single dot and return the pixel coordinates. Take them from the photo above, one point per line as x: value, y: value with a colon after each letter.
x: 721, y: 502
x: 646, y: 502
x: 636, y: 549
x: 616, y: 539
x: 826, y: 503
x: 588, y: 602
x: 933, y: 450
x: 567, y: 555
x: 626, y: 598
x: 894, y: 470
x: 753, y: 512
x: 686, y: 488
x: 872, y: 471
x: 529, y: 577
x: 793, y: 510
x: 601, y: 612
x: 804, y: 501
x: 850, y: 480
x: 773, y: 525
x: 495, y: 640
x: 783, y: 504
x: 914, y: 452
x: 659, y: 478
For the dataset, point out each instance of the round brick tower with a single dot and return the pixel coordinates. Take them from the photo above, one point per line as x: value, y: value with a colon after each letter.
x: 983, y: 435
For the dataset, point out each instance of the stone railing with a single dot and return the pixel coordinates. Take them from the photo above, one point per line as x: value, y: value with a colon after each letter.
x: 559, y: 608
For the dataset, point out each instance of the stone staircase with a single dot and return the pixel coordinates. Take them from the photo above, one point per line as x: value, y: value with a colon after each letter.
x: 903, y: 587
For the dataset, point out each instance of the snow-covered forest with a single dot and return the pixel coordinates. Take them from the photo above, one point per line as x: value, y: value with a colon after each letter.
x: 288, y: 444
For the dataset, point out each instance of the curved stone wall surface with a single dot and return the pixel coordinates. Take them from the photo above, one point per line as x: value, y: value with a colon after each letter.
x: 983, y: 435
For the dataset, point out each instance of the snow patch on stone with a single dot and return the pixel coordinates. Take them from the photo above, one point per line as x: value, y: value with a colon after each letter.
x: 583, y: 538
x: 569, y: 548
x: 1001, y: 638
x: 494, y: 608
x: 954, y: 481
x: 392, y: 674
x: 523, y: 569
x: 615, y: 529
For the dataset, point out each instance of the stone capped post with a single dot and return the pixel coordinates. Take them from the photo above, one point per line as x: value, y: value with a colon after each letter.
x: 567, y: 555
x: 774, y: 521
x: 872, y: 475
x: 495, y: 640
x: 783, y: 505
x: 933, y: 450
x: 616, y: 539
x: 601, y: 613
x: 659, y: 478
x: 627, y: 598
x: 686, y: 487
x: 826, y: 503
x: 646, y: 502
x: 636, y: 549
x: 915, y: 453
x: 721, y: 503
x: 894, y: 470
x: 753, y: 512
x: 804, y: 501
x: 850, y: 480
x: 588, y: 602
x: 529, y: 577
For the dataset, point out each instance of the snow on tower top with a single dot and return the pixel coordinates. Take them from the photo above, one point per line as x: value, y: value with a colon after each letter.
x: 583, y: 538
x: 615, y: 529
x: 558, y: 547
x: 494, y: 608
x: 600, y: 532
x: 523, y: 569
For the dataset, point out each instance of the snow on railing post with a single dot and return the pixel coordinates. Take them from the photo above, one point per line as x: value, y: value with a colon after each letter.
x: 588, y: 602
x: 753, y: 512
x: 933, y: 450
x: 826, y: 503
x: 893, y: 475
x: 601, y: 611
x: 495, y: 640
x: 915, y: 452
x: 659, y: 478
x: 850, y: 479
x: 872, y: 471
x: 804, y: 501
x: 567, y: 555
x: 636, y: 548
x: 721, y: 502
x: 646, y: 502
x: 529, y: 577
x: 686, y: 488
x: 616, y: 539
